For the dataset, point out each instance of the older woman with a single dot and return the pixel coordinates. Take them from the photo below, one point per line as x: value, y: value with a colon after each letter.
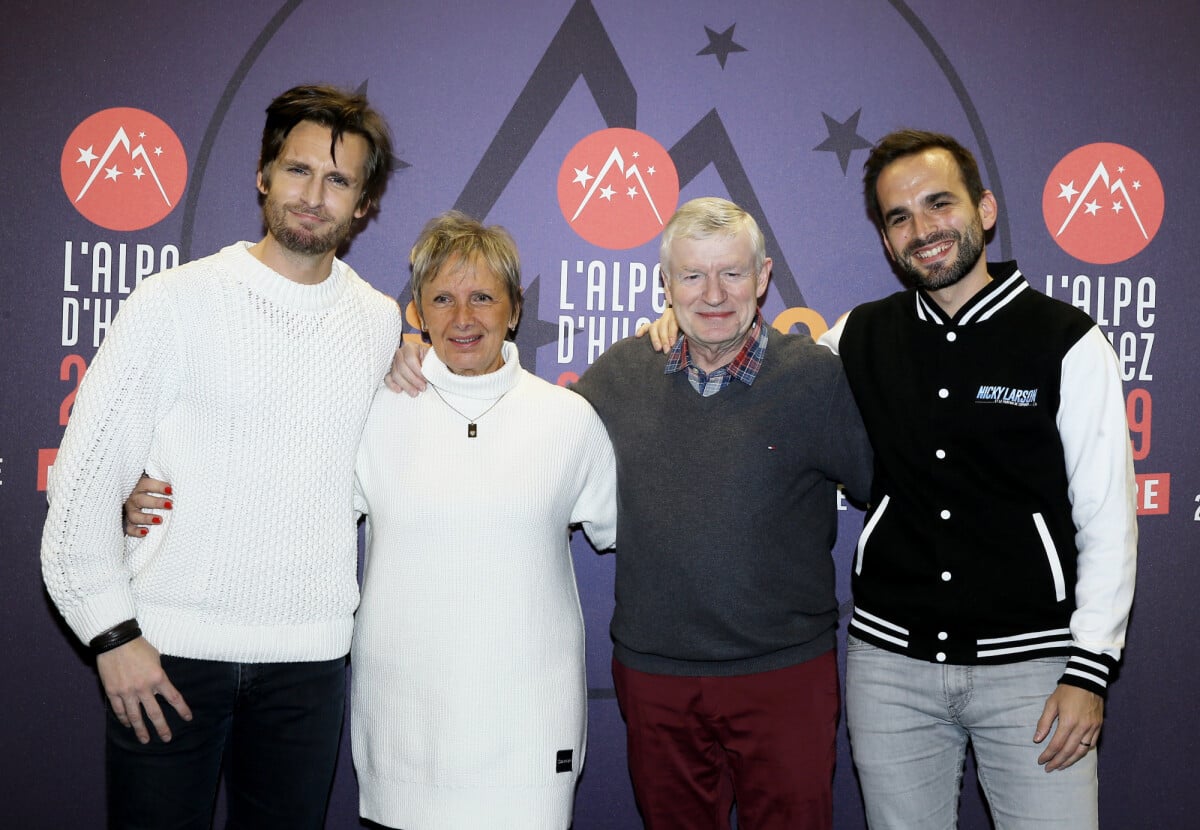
x: 469, y: 691
x: 469, y: 688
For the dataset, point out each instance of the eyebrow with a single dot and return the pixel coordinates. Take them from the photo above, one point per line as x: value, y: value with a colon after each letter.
x: 289, y: 161
x: 928, y: 200
x: 934, y: 197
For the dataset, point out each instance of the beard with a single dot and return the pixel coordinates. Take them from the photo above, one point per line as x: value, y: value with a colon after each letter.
x: 302, y: 240
x: 944, y: 274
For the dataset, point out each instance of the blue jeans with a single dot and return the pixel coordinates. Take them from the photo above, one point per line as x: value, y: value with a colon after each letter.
x: 910, y: 722
x: 277, y: 727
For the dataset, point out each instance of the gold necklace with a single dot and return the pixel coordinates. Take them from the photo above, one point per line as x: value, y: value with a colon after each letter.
x: 472, y: 432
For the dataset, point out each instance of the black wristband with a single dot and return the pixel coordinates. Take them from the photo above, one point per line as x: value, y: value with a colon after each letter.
x: 118, y: 635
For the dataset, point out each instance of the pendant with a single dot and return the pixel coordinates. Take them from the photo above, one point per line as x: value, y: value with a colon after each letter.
x: 471, y: 430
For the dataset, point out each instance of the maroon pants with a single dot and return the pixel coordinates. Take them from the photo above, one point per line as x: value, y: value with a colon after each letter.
x: 766, y: 740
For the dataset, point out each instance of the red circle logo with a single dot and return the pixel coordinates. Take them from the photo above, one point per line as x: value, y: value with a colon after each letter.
x: 124, y: 169
x: 1103, y: 203
x: 617, y: 188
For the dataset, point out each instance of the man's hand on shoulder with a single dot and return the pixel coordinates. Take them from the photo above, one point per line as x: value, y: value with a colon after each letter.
x: 150, y: 495
x: 132, y: 675
x: 1079, y: 715
x: 406, y: 375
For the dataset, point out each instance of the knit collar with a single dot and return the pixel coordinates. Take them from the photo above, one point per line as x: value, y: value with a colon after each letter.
x: 476, y: 387
x: 270, y: 284
x: 1007, y: 282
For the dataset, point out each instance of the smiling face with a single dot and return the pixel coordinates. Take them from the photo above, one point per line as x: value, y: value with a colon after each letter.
x: 930, y: 226
x: 311, y: 198
x: 714, y: 288
x: 467, y: 311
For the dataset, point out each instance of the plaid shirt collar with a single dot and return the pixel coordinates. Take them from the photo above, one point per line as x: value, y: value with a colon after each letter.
x: 745, y: 367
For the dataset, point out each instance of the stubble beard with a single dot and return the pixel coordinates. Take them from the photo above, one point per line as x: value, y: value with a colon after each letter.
x: 944, y: 275
x: 302, y: 240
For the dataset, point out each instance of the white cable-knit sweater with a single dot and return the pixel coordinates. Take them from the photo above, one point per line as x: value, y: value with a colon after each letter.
x: 247, y: 391
x: 469, y: 688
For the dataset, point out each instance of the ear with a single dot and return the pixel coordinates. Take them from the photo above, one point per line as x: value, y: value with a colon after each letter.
x: 516, y: 314
x: 665, y: 279
x: 988, y: 209
x: 764, y: 277
x: 259, y: 183
x: 364, y: 205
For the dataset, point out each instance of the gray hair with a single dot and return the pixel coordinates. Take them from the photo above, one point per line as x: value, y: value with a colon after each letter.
x: 707, y: 216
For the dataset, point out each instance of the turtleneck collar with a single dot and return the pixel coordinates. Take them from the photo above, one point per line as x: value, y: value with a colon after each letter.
x: 487, y: 387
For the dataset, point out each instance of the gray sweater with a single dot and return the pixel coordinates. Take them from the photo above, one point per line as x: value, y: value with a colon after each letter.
x: 726, y: 507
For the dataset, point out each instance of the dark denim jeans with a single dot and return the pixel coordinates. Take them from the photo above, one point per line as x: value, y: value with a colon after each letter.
x: 276, y: 726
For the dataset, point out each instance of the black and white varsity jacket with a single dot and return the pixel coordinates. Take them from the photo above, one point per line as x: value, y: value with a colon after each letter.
x: 1003, y: 523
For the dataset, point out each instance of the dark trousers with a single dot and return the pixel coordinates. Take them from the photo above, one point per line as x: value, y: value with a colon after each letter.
x: 276, y: 726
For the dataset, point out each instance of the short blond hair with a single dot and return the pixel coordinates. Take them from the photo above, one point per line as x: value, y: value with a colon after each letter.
x: 452, y: 235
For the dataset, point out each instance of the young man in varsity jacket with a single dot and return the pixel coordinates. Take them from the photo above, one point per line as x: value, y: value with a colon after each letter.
x: 993, y: 579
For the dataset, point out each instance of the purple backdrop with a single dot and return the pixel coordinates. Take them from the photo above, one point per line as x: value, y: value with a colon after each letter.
x: 770, y: 103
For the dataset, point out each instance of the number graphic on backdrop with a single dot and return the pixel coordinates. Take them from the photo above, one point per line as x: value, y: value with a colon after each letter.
x: 72, y: 365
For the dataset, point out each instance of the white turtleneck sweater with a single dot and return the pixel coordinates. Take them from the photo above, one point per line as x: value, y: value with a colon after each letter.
x: 247, y: 391
x: 469, y: 688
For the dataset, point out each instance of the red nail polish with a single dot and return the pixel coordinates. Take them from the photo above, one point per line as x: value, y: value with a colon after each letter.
x: 156, y: 520
x: 167, y: 490
x: 168, y: 505
x: 142, y: 531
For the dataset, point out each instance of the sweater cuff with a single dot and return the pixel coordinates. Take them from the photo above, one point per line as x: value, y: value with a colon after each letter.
x: 100, y: 612
x: 1088, y: 670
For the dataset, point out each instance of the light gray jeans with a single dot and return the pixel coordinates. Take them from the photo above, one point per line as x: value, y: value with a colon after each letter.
x: 910, y: 722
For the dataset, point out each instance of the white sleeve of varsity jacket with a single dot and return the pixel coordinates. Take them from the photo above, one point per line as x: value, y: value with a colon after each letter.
x: 1095, y: 436
x: 832, y: 338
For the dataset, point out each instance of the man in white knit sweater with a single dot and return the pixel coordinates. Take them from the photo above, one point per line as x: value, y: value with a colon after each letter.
x: 244, y: 379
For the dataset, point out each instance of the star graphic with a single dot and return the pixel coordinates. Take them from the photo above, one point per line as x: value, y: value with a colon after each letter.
x: 843, y: 138
x: 650, y: 171
x: 142, y: 134
x: 138, y: 173
x: 1067, y: 191
x: 721, y: 45
x: 1137, y: 185
x: 1092, y: 207
x: 86, y: 157
x: 583, y: 176
x: 607, y: 193
x: 636, y: 154
x: 631, y: 192
x: 111, y: 172
x: 158, y: 151
x: 1117, y: 206
x: 1121, y: 169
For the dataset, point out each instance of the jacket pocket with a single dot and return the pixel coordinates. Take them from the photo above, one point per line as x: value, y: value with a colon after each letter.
x: 867, y: 531
x: 1056, y: 571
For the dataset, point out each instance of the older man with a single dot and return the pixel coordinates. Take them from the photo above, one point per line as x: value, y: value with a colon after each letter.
x: 728, y: 451
x: 727, y: 457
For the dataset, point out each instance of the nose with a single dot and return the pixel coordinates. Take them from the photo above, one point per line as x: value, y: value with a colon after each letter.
x: 714, y: 289
x: 923, y: 225
x: 314, y: 191
x: 464, y: 316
